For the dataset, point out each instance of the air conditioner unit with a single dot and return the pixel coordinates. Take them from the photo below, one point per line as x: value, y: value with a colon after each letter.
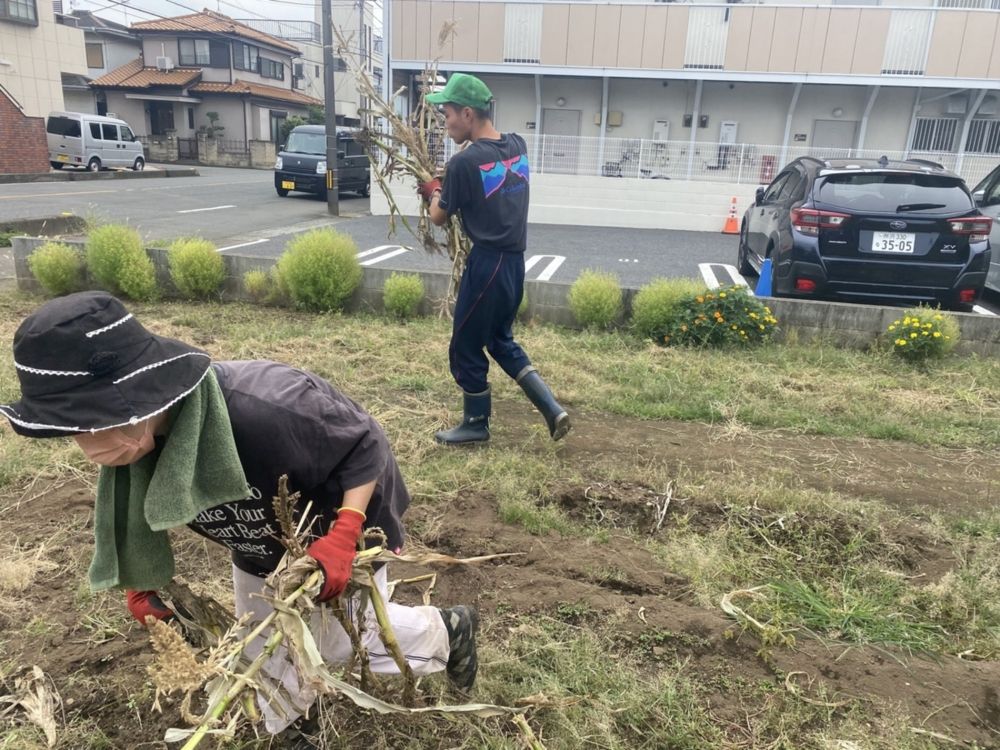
x: 164, y: 63
x: 957, y: 104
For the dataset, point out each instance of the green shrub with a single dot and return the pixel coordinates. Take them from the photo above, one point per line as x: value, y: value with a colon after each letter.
x: 258, y: 285
x: 923, y: 333
x: 319, y: 269
x: 118, y: 262
x: 595, y: 299
x: 402, y: 294
x: 6, y: 233
x: 657, y: 303
x: 719, y: 317
x: 196, y: 267
x: 57, y: 267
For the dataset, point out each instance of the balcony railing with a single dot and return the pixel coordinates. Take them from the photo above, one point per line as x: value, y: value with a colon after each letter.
x: 291, y: 31
x: 738, y: 163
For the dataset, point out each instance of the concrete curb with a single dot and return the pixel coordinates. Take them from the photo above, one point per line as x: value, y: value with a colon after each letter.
x: 7, y: 179
x: 842, y: 324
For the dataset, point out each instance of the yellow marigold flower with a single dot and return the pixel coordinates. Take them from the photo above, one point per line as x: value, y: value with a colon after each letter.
x: 901, y: 342
x: 937, y: 334
x: 722, y: 295
x: 926, y: 333
x: 709, y: 296
x: 721, y: 319
x: 753, y: 315
x: 761, y: 327
x: 684, y: 327
x: 743, y: 333
x: 699, y: 300
x: 913, y: 335
x: 938, y: 317
x: 892, y: 328
x: 733, y: 326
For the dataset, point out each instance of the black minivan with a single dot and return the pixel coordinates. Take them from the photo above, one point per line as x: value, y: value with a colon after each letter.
x: 301, y: 163
x: 866, y: 230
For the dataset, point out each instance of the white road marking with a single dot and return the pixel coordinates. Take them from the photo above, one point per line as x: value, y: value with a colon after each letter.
x: 708, y: 274
x: 550, y: 269
x: 210, y: 208
x: 628, y: 260
x: 242, y: 244
x: 983, y: 311
x: 399, y: 250
x: 374, y: 250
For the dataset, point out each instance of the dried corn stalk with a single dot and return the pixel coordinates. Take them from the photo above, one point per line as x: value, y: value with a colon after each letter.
x: 230, y: 679
x: 410, y: 146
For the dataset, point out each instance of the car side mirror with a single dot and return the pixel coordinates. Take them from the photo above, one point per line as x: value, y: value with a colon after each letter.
x: 979, y: 196
x: 281, y: 147
x: 759, y: 196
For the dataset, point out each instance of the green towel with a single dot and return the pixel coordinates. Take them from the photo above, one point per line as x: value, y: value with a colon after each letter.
x: 197, y: 468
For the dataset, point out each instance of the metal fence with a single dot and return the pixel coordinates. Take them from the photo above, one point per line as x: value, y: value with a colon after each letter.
x: 739, y: 163
x: 234, y: 147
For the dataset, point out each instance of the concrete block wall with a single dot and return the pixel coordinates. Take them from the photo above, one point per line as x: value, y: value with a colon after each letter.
x: 610, y: 202
x: 847, y: 325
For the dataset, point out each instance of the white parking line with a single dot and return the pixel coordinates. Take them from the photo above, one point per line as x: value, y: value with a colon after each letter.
x: 210, y: 208
x: 242, y: 244
x: 983, y: 311
x: 708, y: 274
x: 550, y: 269
x: 394, y: 250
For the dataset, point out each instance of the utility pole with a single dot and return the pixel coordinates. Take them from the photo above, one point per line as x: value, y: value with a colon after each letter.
x: 330, y: 94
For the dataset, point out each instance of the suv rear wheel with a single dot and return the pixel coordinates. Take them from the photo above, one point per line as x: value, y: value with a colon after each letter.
x: 743, y: 256
x: 282, y: 192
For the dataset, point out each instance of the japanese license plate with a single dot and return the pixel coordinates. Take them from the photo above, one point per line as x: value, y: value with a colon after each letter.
x: 893, y: 242
x: 62, y: 157
x: 288, y: 184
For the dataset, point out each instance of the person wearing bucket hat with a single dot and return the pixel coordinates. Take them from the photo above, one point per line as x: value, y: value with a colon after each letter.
x: 182, y: 440
x: 487, y: 185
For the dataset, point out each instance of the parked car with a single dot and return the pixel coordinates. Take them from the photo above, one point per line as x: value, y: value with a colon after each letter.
x: 987, y: 198
x: 301, y: 163
x: 868, y: 230
x: 92, y: 141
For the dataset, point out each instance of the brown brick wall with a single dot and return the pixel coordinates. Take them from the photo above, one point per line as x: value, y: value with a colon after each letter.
x: 23, y: 149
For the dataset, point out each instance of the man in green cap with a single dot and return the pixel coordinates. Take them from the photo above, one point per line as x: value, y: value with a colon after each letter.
x: 487, y: 184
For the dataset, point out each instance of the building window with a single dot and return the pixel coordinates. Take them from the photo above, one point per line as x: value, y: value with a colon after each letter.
x: 246, y: 57
x: 19, y: 11
x: 190, y: 118
x: 522, y: 41
x: 95, y: 55
x: 204, y: 53
x: 935, y: 134
x: 341, y: 63
x: 272, y: 69
x: 984, y: 137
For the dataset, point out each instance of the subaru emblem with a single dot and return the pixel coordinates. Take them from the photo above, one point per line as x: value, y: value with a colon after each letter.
x: 897, y: 225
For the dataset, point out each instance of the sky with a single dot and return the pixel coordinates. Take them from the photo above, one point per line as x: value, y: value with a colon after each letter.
x: 131, y: 11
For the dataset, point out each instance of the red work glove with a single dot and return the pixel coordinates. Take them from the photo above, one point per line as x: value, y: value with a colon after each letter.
x: 142, y: 603
x: 426, y: 189
x: 335, y: 552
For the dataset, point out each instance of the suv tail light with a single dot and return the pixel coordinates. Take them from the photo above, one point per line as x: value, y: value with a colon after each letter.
x: 967, y: 296
x: 978, y: 228
x: 805, y: 285
x: 810, y: 220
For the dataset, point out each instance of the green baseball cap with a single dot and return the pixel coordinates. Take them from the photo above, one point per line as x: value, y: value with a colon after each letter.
x: 465, y: 91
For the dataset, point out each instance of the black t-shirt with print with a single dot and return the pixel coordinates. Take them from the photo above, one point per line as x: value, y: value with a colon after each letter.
x: 488, y: 183
x: 288, y: 421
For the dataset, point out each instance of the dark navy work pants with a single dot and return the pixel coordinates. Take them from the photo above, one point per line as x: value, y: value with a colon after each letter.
x: 488, y: 297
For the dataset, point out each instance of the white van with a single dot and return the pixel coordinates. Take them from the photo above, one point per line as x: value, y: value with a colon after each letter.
x: 92, y: 141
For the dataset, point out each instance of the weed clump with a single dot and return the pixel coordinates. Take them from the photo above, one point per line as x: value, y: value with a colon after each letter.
x: 57, y: 267
x: 923, y: 333
x: 119, y: 263
x: 655, y: 306
x: 595, y: 299
x: 319, y: 270
x: 402, y: 295
x: 196, y: 267
x: 258, y: 285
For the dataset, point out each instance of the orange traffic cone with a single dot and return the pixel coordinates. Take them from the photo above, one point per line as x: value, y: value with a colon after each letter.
x: 732, y: 223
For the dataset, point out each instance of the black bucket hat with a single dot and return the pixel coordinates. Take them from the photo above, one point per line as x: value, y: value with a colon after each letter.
x: 85, y: 364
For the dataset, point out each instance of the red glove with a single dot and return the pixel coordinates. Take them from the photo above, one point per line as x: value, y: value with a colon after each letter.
x: 142, y: 603
x: 335, y: 552
x: 426, y: 189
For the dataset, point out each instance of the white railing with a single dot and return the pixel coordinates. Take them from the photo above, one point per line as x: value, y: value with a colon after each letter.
x: 522, y: 34
x: 907, y: 42
x: 707, y: 34
x: 739, y: 163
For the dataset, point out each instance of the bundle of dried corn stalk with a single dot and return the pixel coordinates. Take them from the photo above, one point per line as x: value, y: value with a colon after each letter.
x: 232, y: 680
x: 409, y: 146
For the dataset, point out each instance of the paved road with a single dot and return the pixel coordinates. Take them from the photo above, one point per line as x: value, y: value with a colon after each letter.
x: 239, y: 211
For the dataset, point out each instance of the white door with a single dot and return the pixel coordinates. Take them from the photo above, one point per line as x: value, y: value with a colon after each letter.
x: 93, y: 142
x: 131, y: 148
x: 833, y: 138
x: 560, y: 141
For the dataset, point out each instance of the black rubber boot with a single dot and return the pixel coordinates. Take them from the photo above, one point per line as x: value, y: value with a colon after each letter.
x: 475, y: 426
x: 555, y: 416
x: 462, y: 624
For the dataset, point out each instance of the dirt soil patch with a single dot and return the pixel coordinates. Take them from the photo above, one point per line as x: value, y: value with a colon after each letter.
x: 614, y: 584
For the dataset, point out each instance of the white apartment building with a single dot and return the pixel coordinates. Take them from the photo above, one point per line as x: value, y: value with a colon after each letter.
x: 724, y: 91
